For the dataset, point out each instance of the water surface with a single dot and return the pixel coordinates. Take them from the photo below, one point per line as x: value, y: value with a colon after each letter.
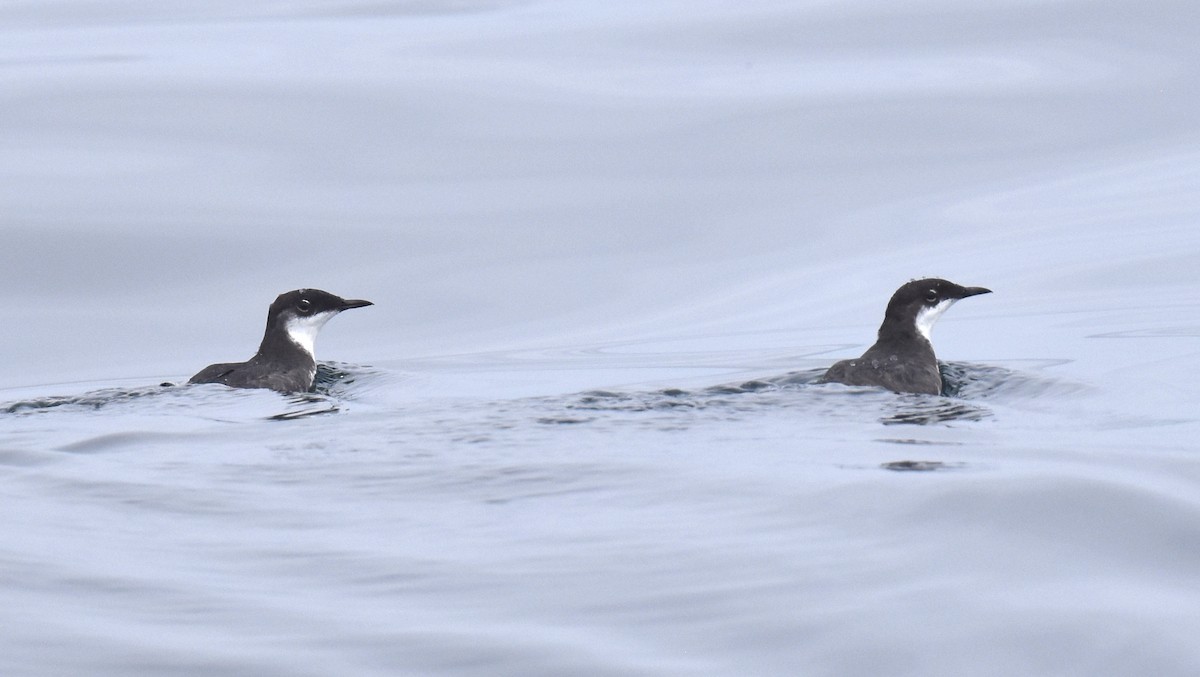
x: 611, y: 245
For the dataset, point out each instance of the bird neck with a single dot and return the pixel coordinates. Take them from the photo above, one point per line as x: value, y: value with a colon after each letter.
x: 280, y: 345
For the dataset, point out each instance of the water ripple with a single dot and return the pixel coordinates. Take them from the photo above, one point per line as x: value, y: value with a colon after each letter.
x: 334, y: 383
x: 966, y: 384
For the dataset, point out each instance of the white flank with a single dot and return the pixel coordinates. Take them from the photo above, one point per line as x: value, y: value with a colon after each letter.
x: 927, y: 316
x: 303, y: 330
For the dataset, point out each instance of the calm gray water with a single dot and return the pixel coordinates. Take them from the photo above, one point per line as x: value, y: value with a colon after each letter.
x: 611, y: 244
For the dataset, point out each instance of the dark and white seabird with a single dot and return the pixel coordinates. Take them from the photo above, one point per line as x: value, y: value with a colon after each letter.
x: 284, y: 362
x: 902, y: 360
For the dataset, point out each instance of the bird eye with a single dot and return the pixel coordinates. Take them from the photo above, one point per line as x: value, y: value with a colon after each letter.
x: 931, y: 296
x: 304, y: 305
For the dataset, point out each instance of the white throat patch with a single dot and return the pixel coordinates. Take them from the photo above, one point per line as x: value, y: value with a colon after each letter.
x: 303, y: 330
x: 927, y: 316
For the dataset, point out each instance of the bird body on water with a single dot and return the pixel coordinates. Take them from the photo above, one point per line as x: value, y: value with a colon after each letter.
x: 902, y: 359
x: 285, y: 361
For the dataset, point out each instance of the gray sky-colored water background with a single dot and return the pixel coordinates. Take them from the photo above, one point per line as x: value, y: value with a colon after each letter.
x: 585, y: 225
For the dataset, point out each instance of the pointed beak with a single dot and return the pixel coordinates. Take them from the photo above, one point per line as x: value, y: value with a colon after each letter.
x: 974, y: 291
x: 354, y: 303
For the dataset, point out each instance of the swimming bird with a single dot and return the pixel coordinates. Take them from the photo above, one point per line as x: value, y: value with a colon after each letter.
x: 284, y: 361
x: 902, y: 359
